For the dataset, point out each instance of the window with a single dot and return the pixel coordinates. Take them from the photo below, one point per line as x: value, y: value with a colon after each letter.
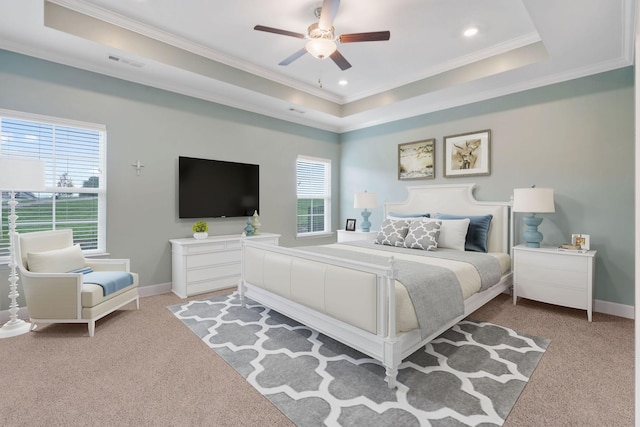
x: 314, y: 196
x: 75, y: 180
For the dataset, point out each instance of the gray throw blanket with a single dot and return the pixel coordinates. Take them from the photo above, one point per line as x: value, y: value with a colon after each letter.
x: 434, y: 291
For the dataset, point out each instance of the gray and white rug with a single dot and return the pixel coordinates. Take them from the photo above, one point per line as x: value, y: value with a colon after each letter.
x: 470, y: 375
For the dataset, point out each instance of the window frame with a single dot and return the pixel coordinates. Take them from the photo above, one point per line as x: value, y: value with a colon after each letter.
x: 326, y: 197
x: 51, y: 175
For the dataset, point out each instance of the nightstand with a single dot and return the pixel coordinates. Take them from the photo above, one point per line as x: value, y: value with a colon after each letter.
x: 350, y: 236
x: 555, y: 277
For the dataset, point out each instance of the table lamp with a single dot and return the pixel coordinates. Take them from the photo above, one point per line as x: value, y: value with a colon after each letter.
x: 17, y: 174
x: 533, y: 200
x: 365, y: 201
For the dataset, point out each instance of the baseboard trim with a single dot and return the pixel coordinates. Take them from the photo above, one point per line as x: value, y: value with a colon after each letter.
x: 599, y: 306
x: 614, y: 309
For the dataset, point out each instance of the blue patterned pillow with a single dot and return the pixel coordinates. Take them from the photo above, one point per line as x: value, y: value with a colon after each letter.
x: 423, y: 235
x: 392, y: 232
x: 477, y: 233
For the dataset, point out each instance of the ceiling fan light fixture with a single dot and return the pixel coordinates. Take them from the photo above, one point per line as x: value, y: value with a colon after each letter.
x: 321, y: 48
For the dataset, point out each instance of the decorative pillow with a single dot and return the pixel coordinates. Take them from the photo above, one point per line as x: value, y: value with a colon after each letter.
x: 56, y: 261
x: 423, y: 235
x: 392, y: 232
x: 394, y: 215
x: 453, y: 232
x: 478, y: 232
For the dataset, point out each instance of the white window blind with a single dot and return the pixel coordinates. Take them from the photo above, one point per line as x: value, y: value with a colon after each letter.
x: 314, y: 195
x: 75, y: 182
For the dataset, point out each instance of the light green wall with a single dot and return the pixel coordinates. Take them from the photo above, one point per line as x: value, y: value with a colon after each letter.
x: 155, y: 127
x: 576, y: 137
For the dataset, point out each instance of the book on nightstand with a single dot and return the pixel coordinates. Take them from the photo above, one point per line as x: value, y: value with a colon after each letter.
x: 567, y: 247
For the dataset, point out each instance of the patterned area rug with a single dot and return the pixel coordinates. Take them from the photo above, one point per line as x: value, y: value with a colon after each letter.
x: 470, y: 375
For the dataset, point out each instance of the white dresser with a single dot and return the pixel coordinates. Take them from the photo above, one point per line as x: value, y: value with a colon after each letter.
x: 555, y: 277
x: 199, y: 266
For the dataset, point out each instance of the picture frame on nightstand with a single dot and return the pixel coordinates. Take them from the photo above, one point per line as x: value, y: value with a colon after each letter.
x: 350, y: 225
x: 581, y: 240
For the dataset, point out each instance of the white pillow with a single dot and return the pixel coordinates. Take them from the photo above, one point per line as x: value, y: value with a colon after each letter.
x: 56, y: 261
x: 453, y: 232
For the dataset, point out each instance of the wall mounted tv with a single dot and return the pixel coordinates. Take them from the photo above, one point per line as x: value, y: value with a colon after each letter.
x: 217, y: 189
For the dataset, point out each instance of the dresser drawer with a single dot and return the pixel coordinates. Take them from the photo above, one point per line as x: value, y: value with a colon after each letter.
x: 575, y: 297
x: 200, y: 274
x: 203, y: 260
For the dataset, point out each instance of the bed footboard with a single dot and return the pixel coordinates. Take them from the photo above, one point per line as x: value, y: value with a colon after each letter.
x: 351, y: 302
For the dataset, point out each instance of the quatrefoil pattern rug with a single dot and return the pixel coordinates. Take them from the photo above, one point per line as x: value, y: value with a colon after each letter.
x: 470, y: 375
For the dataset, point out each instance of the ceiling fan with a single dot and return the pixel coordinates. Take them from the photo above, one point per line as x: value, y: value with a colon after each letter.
x: 321, y: 39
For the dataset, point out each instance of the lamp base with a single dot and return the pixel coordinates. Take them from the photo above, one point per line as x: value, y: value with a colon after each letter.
x: 366, y: 225
x: 14, y: 328
x: 531, y: 235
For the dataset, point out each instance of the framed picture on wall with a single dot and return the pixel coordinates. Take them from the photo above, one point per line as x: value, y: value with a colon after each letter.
x: 416, y: 160
x: 467, y: 154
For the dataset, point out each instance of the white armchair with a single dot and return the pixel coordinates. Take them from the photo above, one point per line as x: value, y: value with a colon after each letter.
x: 54, y: 294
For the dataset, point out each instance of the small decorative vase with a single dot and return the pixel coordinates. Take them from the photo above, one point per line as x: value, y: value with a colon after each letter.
x: 256, y: 223
x: 249, y: 228
x: 200, y: 236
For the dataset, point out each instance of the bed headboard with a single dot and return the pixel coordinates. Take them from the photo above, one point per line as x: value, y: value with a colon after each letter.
x: 456, y: 199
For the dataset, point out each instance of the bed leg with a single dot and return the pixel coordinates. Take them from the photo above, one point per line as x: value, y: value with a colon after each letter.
x: 241, y: 293
x: 392, y: 374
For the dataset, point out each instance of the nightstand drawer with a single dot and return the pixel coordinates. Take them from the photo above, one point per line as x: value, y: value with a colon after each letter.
x: 552, y: 275
x: 560, y: 295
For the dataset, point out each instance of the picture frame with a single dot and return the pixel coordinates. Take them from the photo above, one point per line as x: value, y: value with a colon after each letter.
x: 416, y: 160
x: 467, y: 154
x: 581, y: 240
x: 350, y: 225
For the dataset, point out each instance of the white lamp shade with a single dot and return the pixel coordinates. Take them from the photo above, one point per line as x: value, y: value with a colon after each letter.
x: 365, y: 200
x: 19, y: 174
x: 536, y: 200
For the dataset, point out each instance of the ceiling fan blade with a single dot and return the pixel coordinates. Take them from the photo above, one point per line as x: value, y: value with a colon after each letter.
x: 340, y: 60
x: 278, y: 31
x: 293, y: 57
x: 365, y: 37
x: 328, y: 14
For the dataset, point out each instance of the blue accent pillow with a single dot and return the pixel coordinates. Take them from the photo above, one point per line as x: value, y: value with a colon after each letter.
x: 477, y: 233
x: 399, y: 215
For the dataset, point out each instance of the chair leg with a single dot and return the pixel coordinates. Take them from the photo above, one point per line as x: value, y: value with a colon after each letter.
x: 92, y: 327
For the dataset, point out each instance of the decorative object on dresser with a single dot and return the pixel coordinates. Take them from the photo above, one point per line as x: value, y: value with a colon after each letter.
x: 533, y: 200
x: 583, y: 241
x: 200, y: 230
x: 255, y: 223
x: 416, y: 160
x: 556, y: 277
x: 365, y: 201
x: 350, y: 225
x: 24, y: 175
x: 248, y: 229
x: 467, y: 154
x: 199, y: 266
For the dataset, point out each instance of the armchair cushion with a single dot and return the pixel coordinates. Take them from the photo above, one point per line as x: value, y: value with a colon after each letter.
x: 56, y: 261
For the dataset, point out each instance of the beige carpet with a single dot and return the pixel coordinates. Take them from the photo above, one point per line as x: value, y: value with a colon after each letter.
x: 146, y: 368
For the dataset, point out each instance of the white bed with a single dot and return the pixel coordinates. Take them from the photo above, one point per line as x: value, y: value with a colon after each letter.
x: 357, y: 303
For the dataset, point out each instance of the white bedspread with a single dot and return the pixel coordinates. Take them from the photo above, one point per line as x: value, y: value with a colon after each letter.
x: 466, y: 273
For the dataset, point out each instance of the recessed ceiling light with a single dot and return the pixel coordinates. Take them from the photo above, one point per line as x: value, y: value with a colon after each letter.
x: 470, y: 32
x: 343, y: 82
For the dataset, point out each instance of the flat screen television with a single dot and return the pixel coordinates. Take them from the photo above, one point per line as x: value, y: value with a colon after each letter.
x: 217, y: 189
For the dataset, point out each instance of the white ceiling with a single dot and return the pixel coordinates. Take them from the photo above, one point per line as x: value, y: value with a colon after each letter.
x: 209, y: 49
